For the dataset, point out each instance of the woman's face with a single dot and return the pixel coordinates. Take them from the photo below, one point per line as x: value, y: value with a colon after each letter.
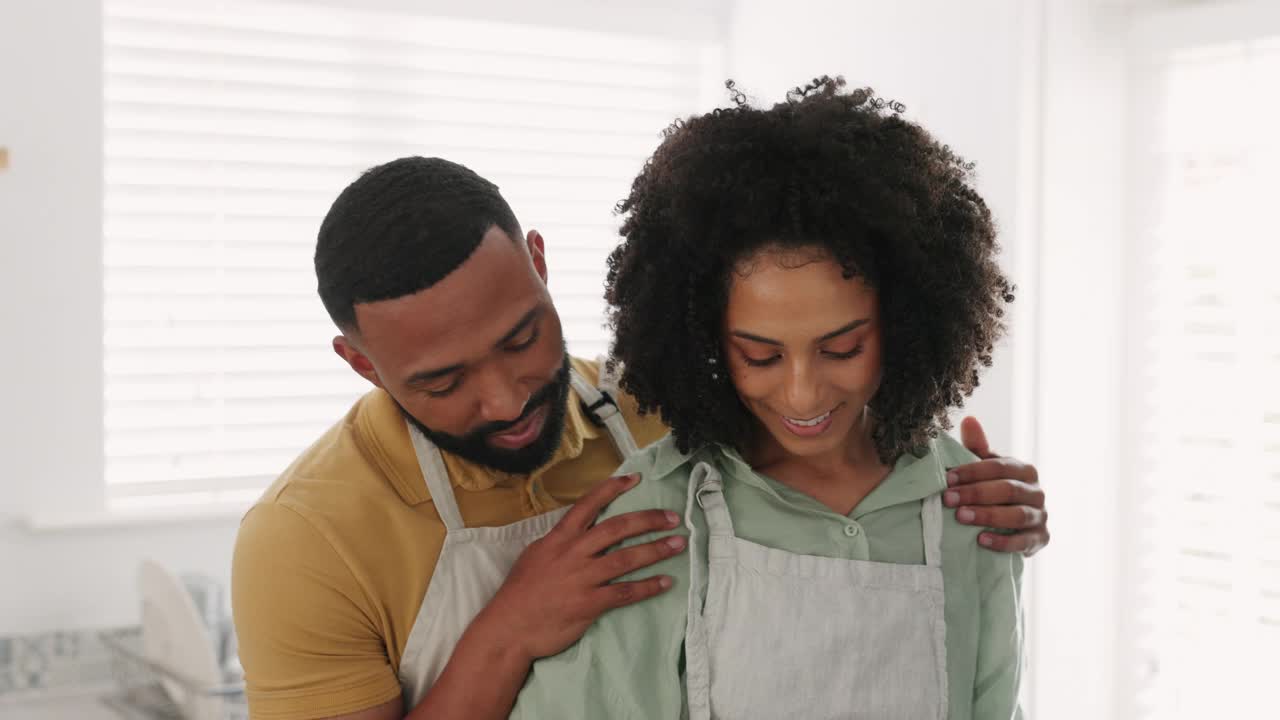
x: 802, y: 344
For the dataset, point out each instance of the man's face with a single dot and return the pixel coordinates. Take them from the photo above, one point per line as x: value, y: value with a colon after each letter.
x: 476, y: 361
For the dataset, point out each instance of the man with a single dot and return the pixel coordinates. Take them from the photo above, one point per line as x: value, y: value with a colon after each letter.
x: 423, y: 553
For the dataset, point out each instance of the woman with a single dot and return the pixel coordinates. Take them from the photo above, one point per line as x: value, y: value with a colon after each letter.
x: 803, y: 292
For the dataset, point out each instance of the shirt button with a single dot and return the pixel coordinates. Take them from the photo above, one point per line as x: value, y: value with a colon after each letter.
x: 851, y: 530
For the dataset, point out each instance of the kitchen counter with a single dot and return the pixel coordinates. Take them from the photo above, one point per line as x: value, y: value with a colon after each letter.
x: 59, y: 706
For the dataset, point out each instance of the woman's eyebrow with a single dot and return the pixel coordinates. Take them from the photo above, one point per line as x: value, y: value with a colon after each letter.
x: 754, y: 338
x: 844, y: 329
x: 770, y: 341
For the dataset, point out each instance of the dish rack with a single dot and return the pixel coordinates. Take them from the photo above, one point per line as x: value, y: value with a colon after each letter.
x: 146, y: 690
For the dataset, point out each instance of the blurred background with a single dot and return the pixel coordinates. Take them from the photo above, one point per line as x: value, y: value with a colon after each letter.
x: 164, y: 167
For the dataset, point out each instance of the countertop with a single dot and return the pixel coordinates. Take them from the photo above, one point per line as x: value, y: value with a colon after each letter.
x: 57, y: 707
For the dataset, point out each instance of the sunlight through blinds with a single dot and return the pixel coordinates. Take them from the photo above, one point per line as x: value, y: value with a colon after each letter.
x: 231, y: 127
x: 1207, y: 401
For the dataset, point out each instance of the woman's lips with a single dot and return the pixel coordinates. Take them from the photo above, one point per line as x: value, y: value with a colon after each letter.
x: 810, y: 427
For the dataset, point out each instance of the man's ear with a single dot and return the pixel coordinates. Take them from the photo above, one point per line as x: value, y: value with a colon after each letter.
x: 538, y: 251
x: 356, y: 359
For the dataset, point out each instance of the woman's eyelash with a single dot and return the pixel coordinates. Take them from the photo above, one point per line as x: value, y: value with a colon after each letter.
x: 857, y: 350
x: 754, y: 362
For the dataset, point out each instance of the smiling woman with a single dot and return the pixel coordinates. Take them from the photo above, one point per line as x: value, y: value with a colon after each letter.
x: 808, y: 384
x: 803, y: 292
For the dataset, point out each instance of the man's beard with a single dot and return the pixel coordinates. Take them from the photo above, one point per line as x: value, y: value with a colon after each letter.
x: 474, y: 446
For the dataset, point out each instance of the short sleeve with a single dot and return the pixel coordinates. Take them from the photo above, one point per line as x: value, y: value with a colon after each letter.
x: 307, y: 639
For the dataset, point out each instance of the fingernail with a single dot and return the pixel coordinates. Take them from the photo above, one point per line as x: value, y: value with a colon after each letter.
x: 672, y: 518
x: 664, y: 582
x: 675, y: 542
x: 952, y: 478
x: 965, y: 515
x: 984, y: 540
x: 950, y: 498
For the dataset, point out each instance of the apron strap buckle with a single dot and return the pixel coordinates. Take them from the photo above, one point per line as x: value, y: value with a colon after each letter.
x: 601, y: 410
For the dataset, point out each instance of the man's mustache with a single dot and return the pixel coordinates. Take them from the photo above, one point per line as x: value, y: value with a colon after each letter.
x: 539, y: 399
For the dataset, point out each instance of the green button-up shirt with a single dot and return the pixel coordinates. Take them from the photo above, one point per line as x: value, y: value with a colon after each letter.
x: 629, y: 664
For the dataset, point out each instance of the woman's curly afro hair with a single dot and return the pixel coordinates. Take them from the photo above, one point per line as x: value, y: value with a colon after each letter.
x: 831, y: 170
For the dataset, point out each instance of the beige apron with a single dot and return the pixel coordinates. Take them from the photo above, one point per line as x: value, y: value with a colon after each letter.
x: 475, y: 561
x: 783, y: 635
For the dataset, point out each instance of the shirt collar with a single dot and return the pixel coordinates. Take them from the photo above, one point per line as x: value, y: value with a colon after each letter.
x: 913, y: 478
x: 385, y: 438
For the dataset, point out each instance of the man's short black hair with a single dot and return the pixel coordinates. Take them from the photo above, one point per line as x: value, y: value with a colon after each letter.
x: 400, y: 228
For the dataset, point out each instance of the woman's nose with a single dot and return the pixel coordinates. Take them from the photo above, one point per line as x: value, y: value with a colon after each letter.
x: 802, y: 390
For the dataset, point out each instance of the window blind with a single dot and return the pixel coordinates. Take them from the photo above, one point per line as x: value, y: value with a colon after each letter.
x: 229, y: 129
x: 1206, y: 396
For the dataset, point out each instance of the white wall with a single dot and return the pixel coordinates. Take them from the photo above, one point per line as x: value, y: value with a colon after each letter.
x: 50, y: 206
x: 1084, y: 220
x: 50, y: 297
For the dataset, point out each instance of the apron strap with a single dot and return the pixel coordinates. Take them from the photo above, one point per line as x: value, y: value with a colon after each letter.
x: 931, y: 520
x: 704, y: 489
x: 931, y: 517
x: 710, y: 491
x: 604, y: 410
x: 431, y: 463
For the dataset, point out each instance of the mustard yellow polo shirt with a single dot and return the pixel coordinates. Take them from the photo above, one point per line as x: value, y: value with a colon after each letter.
x: 331, y: 565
